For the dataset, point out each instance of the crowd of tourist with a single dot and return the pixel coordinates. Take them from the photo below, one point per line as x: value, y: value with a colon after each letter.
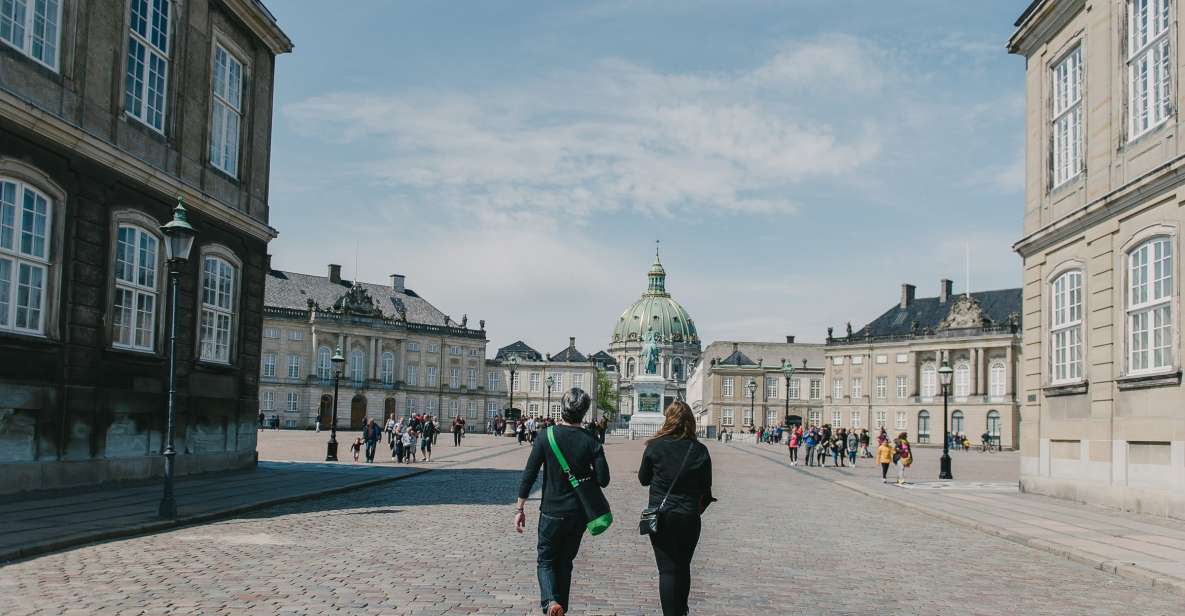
x: 815, y: 445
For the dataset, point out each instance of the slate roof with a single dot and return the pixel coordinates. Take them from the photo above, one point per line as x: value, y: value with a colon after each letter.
x: 521, y: 349
x: 569, y: 354
x: 294, y: 290
x: 770, y: 354
x: 737, y: 358
x: 997, y: 305
x: 604, y: 359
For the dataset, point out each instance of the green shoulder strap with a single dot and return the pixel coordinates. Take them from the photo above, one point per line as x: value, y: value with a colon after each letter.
x: 560, y: 456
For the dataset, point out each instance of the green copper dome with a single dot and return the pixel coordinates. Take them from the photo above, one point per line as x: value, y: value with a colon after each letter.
x: 657, y: 311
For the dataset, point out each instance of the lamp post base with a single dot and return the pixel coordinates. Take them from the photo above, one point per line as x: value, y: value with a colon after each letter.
x: 331, y: 451
x: 944, y: 467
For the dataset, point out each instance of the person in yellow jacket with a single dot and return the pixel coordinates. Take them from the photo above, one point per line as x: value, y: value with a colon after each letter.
x: 884, y: 455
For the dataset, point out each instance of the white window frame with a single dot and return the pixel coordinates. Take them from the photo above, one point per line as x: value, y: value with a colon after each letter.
x: 294, y: 366
x: 771, y: 387
x: 413, y: 347
x: 357, y: 366
x: 493, y: 380
x: 558, y: 379
x: 855, y: 417
x: 997, y: 379
x: 455, y: 350
x: 836, y: 418
x: 226, y: 108
x: 578, y: 380
x: 271, y: 332
x: 881, y: 419
x: 1067, y: 129
x: 533, y: 380
x: 1149, y: 66
x: 136, y: 82
x: 882, y: 359
x: 882, y: 387
x: 726, y: 416
x: 836, y: 388
x: 29, y: 24
x: 857, y: 387
x: 771, y: 418
x: 433, y: 347
x: 795, y: 389
x: 815, y: 417
x: 961, y: 383
x: 747, y: 416
x: 1065, y: 330
x: 816, y: 391
x: 324, y: 363
x: 433, y: 378
x: 902, y: 387
x: 454, y: 378
x: 726, y: 387
x: 269, y: 365
x: 472, y: 378
x: 217, y: 318
x: 857, y: 360
x: 127, y: 335
x: 929, y: 381
x: 267, y: 401
x: 471, y: 409
x: 387, y: 368
x: 1150, y: 326
x: 903, y: 358
x: 296, y: 335
x: 16, y: 260
x: 413, y: 375
x: 293, y: 402
x: 837, y: 360
x: 957, y: 422
x: 902, y: 421
x: 923, y: 425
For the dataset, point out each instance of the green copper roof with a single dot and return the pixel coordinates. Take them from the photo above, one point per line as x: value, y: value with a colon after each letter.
x: 657, y: 311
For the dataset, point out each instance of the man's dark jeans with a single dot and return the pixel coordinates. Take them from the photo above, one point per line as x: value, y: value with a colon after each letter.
x: 559, y: 541
x: 370, y: 445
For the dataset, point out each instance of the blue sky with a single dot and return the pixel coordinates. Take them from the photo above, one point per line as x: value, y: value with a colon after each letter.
x: 516, y: 160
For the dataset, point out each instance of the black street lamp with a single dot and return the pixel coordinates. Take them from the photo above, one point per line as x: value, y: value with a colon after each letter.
x: 179, y: 237
x: 550, y: 383
x: 752, y: 387
x: 788, y: 370
x: 331, y: 446
x: 944, y: 374
x: 513, y: 363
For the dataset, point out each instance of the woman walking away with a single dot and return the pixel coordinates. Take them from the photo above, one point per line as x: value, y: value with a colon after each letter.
x: 884, y: 457
x: 561, y: 517
x: 678, y: 470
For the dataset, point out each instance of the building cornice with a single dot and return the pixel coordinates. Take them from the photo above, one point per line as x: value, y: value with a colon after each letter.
x: 262, y: 23
x: 1135, y: 193
x: 50, y: 127
x: 1040, y: 22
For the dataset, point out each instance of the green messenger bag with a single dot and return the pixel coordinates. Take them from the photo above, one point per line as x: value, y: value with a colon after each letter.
x: 592, y: 500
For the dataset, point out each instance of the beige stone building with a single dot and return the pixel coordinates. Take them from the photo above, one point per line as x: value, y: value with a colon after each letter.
x: 531, y: 373
x: 886, y: 374
x: 403, y: 355
x: 1105, y: 166
x: 718, y: 391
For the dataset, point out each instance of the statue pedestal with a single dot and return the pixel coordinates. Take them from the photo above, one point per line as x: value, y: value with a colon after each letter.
x: 648, y: 396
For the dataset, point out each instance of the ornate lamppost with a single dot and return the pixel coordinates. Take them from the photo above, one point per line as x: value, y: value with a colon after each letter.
x: 788, y: 371
x: 752, y: 387
x: 550, y: 383
x: 513, y: 363
x: 944, y: 374
x: 331, y: 446
x: 179, y: 237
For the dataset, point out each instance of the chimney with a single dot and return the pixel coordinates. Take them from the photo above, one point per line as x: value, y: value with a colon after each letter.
x: 335, y: 273
x: 571, y: 342
x: 268, y: 264
x: 789, y: 339
x: 397, y: 281
x: 907, y: 293
x: 945, y: 287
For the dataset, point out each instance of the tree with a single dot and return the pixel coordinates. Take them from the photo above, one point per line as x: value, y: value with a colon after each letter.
x: 606, y: 396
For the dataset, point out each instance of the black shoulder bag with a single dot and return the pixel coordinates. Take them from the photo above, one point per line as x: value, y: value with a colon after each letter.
x: 649, y: 523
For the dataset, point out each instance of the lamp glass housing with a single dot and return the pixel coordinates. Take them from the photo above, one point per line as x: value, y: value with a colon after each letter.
x: 944, y: 374
x: 337, y: 358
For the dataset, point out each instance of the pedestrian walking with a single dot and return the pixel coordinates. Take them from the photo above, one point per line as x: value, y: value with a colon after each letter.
x: 520, y: 430
x: 427, y: 436
x: 356, y: 448
x: 261, y: 419
x: 678, y: 469
x: 371, y: 435
x: 792, y: 444
x: 390, y: 430
x: 562, y: 518
x: 902, y: 456
x: 853, y: 447
x: 811, y: 442
x: 884, y: 457
x: 458, y: 430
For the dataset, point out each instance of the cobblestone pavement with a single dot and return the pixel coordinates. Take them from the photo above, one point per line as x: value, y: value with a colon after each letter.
x: 779, y: 542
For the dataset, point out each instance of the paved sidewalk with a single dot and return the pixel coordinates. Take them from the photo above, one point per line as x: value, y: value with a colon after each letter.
x: 1132, y: 545
x: 44, y: 522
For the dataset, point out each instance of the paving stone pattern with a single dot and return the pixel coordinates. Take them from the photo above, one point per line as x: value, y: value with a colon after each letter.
x: 778, y: 542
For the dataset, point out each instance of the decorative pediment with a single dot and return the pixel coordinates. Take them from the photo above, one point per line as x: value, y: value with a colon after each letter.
x: 357, y: 301
x: 964, y: 313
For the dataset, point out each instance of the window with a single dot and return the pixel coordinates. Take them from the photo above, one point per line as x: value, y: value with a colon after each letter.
x: 816, y: 389
x: 1149, y: 65
x: 771, y: 418
x: 433, y: 348
x: 357, y: 367
x: 491, y: 409
x: 453, y: 408
x: 929, y: 381
x: 269, y: 365
x: 726, y: 416
x: 857, y: 386
x: 533, y: 382
x: 554, y: 410
x: 31, y: 26
x: 295, y: 335
x: 1066, y: 327
x: 748, y: 417
x: 882, y: 387
x: 901, y: 421
x: 578, y: 380
x: 836, y: 387
x: 837, y: 361
x: 956, y: 422
x: 471, y: 409
x: 1067, y: 117
x: 816, y: 417
x: 289, y: 423
x: 1150, y: 291
x: 454, y: 378
x: 902, y: 388
x: 474, y: 353
x: 218, y: 280
x: 294, y: 366
x: 726, y: 387
x: 962, y: 379
x: 749, y: 391
x: 771, y: 387
x: 533, y: 409
x: 857, y: 360
x: 472, y: 381
x: 271, y: 332
x: 387, y: 368
x: 836, y: 419
x: 880, y: 419
x: 794, y: 388
x: 882, y: 359
x: 677, y: 369
x: 433, y: 377
x: 148, y: 62
x: 629, y: 367
x: 993, y: 424
x: 226, y: 111
x: 268, y: 400
x: 923, y: 426
x: 454, y: 350
x: 413, y: 375
x: 516, y: 382
x: 24, y: 257
x: 856, y: 419
x: 412, y: 404
x: 134, y: 313
x: 324, y: 363
x: 557, y: 381
x: 903, y: 358
x: 413, y: 347
x: 493, y: 379
x: 997, y: 379
x: 430, y: 406
x: 293, y: 402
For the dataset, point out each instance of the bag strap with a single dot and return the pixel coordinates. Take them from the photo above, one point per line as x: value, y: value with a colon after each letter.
x: 559, y: 456
x: 677, y: 474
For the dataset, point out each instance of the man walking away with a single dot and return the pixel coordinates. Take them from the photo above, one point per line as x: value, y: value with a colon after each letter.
x: 561, y: 517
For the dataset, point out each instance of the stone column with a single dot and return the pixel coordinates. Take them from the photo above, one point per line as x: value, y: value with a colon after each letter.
x: 374, y: 364
x: 974, y: 360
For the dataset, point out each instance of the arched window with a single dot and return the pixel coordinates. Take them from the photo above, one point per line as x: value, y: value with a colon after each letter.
x: 956, y: 422
x: 997, y: 379
x: 1066, y: 327
x: 993, y: 424
x: 677, y: 369
x: 388, y: 368
x: 923, y: 426
x: 357, y: 369
x: 929, y: 380
x: 25, y: 227
x: 137, y: 252
x: 218, y: 309
x: 962, y: 379
x: 324, y: 363
x: 1149, y: 305
x: 629, y: 367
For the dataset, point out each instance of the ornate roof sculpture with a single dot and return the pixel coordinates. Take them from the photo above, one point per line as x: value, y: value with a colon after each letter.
x: 356, y: 301
x: 656, y: 311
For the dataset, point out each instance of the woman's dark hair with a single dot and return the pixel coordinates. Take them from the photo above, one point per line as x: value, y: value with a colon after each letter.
x: 575, y: 405
x: 679, y: 423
